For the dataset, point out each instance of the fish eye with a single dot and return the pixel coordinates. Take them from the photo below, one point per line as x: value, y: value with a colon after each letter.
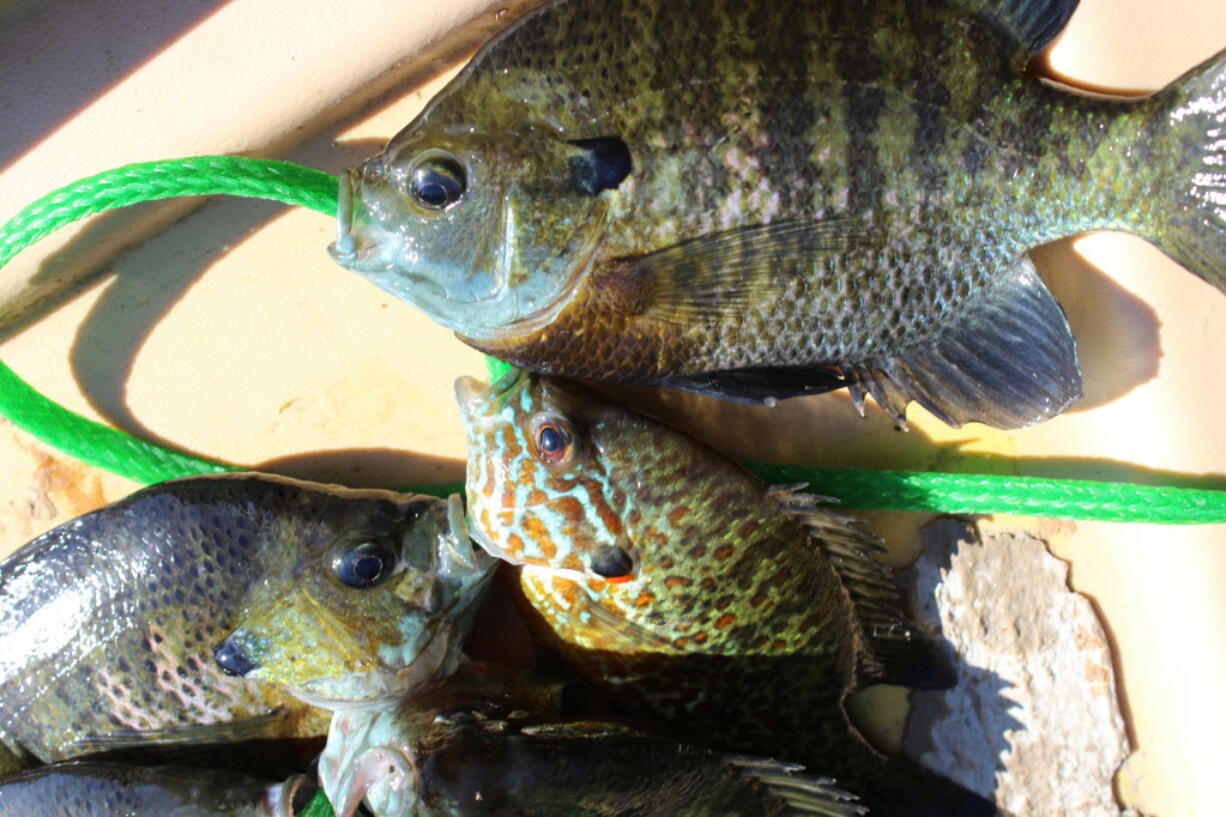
x: 437, y: 181
x: 365, y: 565
x: 612, y: 562
x: 552, y: 439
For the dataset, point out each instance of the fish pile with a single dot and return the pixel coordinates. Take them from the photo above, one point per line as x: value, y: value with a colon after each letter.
x: 755, y: 201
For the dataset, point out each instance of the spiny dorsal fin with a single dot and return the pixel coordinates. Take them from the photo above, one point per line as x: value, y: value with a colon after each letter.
x: 1030, y: 25
x: 805, y: 795
x: 895, y: 651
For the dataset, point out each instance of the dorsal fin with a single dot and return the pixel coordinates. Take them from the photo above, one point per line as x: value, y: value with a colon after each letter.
x: 895, y: 651
x: 1030, y: 25
x: 804, y: 794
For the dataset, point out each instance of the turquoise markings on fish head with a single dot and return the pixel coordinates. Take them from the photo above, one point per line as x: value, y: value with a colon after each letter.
x: 633, y: 536
x: 481, y: 213
x: 540, y: 492
x: 374, y: 605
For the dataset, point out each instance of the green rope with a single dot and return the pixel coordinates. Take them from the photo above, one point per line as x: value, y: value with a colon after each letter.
x: 149, y: 181
x: 145, y: 462
x: 318, y: 806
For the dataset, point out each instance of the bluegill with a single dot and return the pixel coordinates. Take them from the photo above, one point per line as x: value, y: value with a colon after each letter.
x: 466, y: 748
x: 689, y: 592
x: 117, y: 790
x: 108, y: 624
x: 776, y: 198
x: 377, y: 611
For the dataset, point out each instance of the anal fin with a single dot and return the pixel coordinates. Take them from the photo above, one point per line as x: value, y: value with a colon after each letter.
x: 894, y: 650
x: 1008, y: 360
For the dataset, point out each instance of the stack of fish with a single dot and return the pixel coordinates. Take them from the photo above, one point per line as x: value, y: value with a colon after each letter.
x: 749, y: 200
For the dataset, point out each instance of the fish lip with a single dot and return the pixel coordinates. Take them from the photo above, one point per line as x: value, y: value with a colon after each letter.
x: 476, y: 400
x: 344, y: 249
x: 468, y: 394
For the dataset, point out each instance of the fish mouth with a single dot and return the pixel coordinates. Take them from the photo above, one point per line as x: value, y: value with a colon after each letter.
x: 344, y: 249
x: 476, y: 399
x: 470, y: 394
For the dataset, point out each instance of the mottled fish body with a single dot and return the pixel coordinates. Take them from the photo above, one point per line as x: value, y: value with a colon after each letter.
x: 762, y: 200
x: 108, y: 622
x: 116, y: 790
x: 688, y: 591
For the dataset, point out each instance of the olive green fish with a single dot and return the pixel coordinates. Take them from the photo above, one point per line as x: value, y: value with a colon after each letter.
x: 467, y: 749
x: 117, y: 790
x: 687, y: 590
x: 374, y: 613
x: 758, y: 200
x: 108, y: 623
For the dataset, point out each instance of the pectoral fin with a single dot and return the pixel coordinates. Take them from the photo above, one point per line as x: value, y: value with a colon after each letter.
x: 270, y: 725
x: 721, y: 274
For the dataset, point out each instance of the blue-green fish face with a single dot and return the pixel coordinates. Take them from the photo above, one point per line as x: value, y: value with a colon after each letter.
x: 481, y: 229
x: 378, y: 611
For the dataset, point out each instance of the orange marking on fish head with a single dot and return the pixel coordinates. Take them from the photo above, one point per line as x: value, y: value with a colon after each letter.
x: 514, y: 547
x: 535, y: 530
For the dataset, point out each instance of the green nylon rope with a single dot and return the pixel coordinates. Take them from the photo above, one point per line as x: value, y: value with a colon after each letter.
x: 145, y: 462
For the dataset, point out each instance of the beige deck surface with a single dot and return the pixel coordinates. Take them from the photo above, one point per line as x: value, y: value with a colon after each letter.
x: 227, y: 330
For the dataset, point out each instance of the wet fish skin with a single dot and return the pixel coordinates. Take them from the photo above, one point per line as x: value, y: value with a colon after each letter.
x: 689, y: 592
x: 338, y: 637
x: 95, y: 789
x: 463, y: 749
x: 108, y: 623
x: 822, y: 194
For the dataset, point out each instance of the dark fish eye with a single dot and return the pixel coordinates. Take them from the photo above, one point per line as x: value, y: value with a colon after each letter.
x: 364, y: 565
x: 611, y: 562
x: 552, y: 440
x: 437, y: 182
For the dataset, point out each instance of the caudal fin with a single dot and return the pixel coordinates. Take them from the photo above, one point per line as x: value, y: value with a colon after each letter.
x: 1193, y: 140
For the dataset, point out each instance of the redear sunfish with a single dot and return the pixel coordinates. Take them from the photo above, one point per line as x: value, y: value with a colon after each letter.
x: 758, y: 200
x: 738, y: 614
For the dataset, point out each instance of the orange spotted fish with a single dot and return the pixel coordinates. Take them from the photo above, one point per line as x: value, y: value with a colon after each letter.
x: 742, y: 615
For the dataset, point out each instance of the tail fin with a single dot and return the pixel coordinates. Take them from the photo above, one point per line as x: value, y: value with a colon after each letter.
x: 1193, y: 137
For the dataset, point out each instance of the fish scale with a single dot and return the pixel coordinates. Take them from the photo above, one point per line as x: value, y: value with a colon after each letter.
x: 745, y: 615
x: 797, y: 197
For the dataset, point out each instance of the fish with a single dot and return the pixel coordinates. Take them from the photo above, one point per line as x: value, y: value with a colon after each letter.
x: 690, y: 593
x: 109, y: 623
x: 766, y: 200
x: 470, y: 748
x: 371, y: 613
x: 101, y: 789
